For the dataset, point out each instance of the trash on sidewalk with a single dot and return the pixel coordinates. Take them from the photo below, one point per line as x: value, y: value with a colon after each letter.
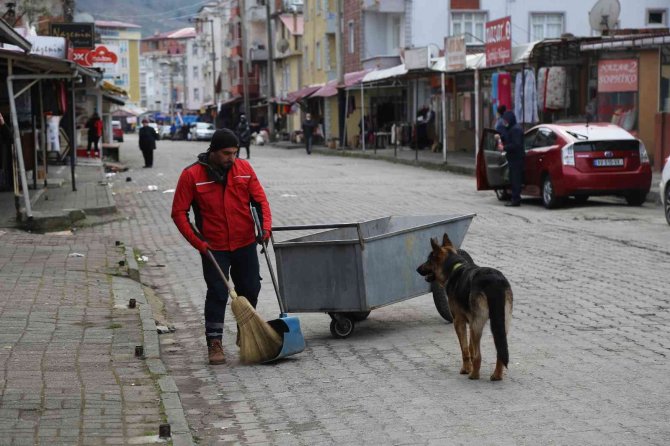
x: 162, y: 329
x: 152, y: 187
x: 115, y: 167
x: 75, y: 254
x: 144, y: 259
x: 169, y: 191
x: 110, y: 174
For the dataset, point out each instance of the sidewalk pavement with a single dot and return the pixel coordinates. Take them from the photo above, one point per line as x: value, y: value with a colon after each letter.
x: 457, y: 161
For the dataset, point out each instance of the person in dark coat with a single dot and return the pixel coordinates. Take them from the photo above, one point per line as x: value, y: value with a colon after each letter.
x: 308, y: 128
x: 94, y: 126
x: 512, y: 145
x: 244, y: 134
x: 148, y: 138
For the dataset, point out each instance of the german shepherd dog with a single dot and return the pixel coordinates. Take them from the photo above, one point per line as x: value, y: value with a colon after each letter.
x: 475, y: 294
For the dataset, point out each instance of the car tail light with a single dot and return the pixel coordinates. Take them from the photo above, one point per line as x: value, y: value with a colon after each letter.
x: 644, y: 157
x: 568, y: 155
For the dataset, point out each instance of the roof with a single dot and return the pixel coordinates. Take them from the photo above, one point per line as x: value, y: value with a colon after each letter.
x: 37, y: 64
x: 598, y: 131
x: 627, y: 42
x: 330, y: 89
x: 182, y: 33
x: 297, y: 95
x: 386, y: 73
x: 9, y: 35
x: 115, y: 24
x: 294, y: 23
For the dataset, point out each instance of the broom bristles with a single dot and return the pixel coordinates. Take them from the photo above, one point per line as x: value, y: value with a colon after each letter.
x: 258, y: 340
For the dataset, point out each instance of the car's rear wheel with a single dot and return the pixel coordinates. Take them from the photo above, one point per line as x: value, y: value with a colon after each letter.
x: 636, y: 197
x: 667, y: 203
x: 549, y: 198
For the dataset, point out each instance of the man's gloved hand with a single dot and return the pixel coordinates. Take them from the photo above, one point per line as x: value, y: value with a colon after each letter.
x: 203, y: 248
x: 263, y: 237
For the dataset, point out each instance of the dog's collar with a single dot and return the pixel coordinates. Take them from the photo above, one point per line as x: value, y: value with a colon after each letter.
x: 456, y: 266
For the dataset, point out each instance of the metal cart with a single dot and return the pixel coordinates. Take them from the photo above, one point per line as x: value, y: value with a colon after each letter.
x: 350, y: 269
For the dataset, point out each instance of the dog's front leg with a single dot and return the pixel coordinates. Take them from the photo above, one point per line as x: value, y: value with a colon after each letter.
x: 461, y: 328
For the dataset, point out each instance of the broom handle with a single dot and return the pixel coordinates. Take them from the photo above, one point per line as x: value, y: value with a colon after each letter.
x: 231, y: 290
x: 267, y: 258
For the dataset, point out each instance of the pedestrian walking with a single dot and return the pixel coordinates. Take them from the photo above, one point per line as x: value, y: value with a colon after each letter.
x: 94, y: 127
x: 308, y: 128
x: 148, y: 138
x: 244, y: 134
x: 512, y: 144
x: 220, y: 188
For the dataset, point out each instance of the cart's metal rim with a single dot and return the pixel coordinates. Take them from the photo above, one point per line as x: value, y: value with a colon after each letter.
x: 354, y: 310
x: 287, y: 244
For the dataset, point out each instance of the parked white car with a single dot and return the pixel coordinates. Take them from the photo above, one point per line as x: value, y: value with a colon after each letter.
x: 664, y: 188
x: 202, y: 131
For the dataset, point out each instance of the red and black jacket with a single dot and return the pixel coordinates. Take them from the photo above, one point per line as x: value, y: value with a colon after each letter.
x: 221, y: 211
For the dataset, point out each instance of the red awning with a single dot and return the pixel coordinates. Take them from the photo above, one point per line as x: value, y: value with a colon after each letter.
x: 295, y: 96
x: 294, y: 23
x: 330, y: 89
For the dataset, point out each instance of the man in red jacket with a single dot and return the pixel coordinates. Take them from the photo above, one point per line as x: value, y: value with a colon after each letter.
x: 219, y: 187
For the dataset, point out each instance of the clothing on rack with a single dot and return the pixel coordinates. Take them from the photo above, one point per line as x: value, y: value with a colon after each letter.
x: 552, y: 88
x: 525, y: 97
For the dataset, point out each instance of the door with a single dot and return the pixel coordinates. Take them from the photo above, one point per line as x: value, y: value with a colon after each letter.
x: 537, y: 143
x: 492, y: 169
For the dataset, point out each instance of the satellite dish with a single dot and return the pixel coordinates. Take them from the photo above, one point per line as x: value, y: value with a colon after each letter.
x: 604, y: 15
x: 282, y: 45
x: 83, y: 17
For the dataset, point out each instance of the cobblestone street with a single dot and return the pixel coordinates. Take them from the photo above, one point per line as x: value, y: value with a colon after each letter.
x: 589, y: 342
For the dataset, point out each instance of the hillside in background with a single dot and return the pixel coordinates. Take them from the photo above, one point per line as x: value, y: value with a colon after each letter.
x: 151, y: 15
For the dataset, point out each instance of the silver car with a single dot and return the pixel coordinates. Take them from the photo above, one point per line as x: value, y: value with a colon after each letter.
x: 664, y: 188
x: 202, y: 131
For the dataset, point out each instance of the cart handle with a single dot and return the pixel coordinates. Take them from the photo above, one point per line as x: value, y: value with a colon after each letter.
x: 323, y: 226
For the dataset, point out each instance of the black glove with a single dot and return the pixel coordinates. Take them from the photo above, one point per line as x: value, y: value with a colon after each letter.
x: 262, y: 237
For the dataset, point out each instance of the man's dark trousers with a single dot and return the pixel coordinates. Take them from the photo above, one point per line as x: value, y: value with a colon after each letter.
x: 308, y: 143
x: 245, y: 275
x: 148, y: 155
x: 516, y: 179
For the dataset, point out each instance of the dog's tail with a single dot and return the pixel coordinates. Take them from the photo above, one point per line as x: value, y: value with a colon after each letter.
x: 499, y: 298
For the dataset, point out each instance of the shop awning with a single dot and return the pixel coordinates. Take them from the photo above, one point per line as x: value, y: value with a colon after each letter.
x: 627, y: 42
x: 472, y: 61
x: 330, y: 89
x: 10, y: 36
x: 294, y: 23
x: 110, y: 88
x: 297, y: 95
x: 228, y: 101
x: 386, y: 73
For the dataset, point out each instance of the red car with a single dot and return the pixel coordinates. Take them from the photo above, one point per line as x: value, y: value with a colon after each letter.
x: 571, y: 160
x: 117, y: 131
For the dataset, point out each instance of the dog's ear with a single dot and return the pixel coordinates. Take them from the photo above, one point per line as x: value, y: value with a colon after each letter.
x: 446, y: 242
x: 434, y: 245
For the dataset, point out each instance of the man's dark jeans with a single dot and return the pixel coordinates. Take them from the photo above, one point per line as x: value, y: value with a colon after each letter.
x: 516, y: 179
x: 308, y: 143
x: 245, y: 274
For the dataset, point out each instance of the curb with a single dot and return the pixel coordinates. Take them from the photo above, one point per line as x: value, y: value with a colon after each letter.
x: 169, y: 393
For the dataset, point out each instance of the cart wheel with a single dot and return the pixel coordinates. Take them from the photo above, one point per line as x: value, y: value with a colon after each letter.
x: 358, y: 316
x: 441, y: 302
x: 341, y: 327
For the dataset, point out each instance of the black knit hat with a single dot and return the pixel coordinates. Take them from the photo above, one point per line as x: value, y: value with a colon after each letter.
x: 223, y: 139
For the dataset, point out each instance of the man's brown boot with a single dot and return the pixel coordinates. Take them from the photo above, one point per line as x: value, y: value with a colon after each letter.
x: 215, y: 351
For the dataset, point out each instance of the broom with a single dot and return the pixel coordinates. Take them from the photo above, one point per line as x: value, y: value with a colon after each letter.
x: 259, y: 342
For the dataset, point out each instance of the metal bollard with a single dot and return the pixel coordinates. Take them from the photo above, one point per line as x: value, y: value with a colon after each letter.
x: 139, y: 351
x: 132, y: 303
x: 164, y: 431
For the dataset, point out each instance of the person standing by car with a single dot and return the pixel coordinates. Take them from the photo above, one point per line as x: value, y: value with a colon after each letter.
x: 512, y: 144
x: 308, y: 128
x: 220, y: 189
x: 94, y: 126
x: 148, y: 138
x: 244, y: 134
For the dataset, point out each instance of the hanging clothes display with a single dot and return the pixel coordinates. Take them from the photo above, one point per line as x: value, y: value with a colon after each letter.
x: 505, y: 90
x: 525, y: 97
x: 494, y: 93
x: 552, y: 88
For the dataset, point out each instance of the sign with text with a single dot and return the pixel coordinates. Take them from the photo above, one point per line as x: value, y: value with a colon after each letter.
x: 80, y: 35
x: 499, y: 42
x: 101, y: 57
x: 617, y: 75
x: 416, y: 58
x: 455, y: 53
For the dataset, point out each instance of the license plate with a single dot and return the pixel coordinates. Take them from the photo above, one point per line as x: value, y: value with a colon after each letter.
x: 608, y: 162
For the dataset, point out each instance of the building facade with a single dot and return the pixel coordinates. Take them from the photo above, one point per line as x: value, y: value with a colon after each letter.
x: 124, y: 40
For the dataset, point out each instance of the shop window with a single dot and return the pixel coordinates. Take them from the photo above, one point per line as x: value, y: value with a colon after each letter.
x: 318, y: 55
x: 656, y: 17
x: 469, y: 24
x: 196, y: 73
x: 665, y: 80
x: 546, y: 26
x: 618, y: 92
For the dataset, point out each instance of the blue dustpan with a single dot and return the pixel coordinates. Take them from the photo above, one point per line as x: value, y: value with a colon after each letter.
x: 287, y: 326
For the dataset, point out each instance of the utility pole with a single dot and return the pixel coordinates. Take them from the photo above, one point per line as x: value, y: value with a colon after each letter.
x: 214, y: 94
x: 271, y: 76
x: 339, y: 57
x: 245, y: 56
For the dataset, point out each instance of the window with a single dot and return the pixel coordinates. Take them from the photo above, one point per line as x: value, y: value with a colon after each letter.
x: 196, y: 94
x: 546, y: 26
x: 352, y: 39
x: 194, y: 49
x: 305, y: 59
x: 195, y: 73
x: 656, y: 17
x: 471, y: 24
x: 124, y: 62
x: 317, y: 56
x: 395, y: 32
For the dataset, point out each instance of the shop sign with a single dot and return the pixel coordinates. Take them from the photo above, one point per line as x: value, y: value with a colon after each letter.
x: 101, y: 56
x: 499, y: 42
x: 416, y: 58
x: 80, y: 35
x: 617, y: 75
x: 42, y: 45
x: 455, y: 54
